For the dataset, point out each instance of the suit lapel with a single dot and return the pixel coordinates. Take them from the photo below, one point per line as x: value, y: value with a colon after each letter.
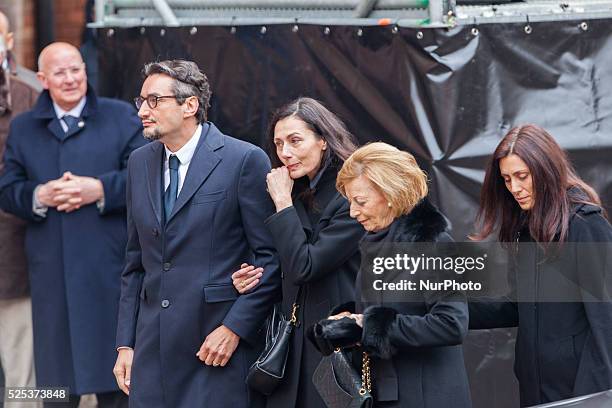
x: 202, y: 164
x: 153, y: 174
x: 44, y: 110
x: 73, y: 131
x: 56, y: 130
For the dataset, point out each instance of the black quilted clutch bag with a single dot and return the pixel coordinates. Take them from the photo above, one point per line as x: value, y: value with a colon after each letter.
x: 339, y: 384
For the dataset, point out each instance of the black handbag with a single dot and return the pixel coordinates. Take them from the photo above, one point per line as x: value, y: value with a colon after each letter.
x: 339, y: 384
x: 268, y: 371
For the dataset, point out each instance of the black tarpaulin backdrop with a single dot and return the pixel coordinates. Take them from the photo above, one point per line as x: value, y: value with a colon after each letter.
x: 445, y: 95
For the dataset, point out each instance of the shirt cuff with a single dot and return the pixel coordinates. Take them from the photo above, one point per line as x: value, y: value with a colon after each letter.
x: 100, y: 205
x: 38, y: 208
x: 124, y: 348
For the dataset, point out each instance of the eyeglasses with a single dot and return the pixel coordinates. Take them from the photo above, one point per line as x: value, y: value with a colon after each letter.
x: 152, y: 100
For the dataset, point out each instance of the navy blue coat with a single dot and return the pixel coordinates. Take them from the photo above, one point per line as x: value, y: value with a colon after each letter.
x: 75, y: 260
x: 177, y: 286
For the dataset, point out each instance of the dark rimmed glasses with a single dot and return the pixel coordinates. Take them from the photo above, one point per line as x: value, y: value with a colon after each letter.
x: 152, y: 100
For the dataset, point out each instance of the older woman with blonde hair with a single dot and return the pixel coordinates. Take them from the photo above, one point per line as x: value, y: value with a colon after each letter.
x: 414, y: 346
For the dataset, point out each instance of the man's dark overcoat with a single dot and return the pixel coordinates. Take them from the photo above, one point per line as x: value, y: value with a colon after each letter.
x: 177, y: 286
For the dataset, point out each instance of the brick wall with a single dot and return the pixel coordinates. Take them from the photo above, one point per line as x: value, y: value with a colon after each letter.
x: 21, y: 16
x: 68, y: 20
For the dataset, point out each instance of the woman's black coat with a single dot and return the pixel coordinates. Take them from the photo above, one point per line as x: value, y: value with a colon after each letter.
x: 318, y: 249
x: 563, y: 348
x: 416, y: 351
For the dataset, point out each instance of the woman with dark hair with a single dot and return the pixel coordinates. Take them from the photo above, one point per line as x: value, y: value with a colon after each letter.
x: 316, y: 239
x: 537, y: 202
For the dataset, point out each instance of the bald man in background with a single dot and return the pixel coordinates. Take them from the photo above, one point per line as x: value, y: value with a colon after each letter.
x: 9, y: 63
x: 64, y: 174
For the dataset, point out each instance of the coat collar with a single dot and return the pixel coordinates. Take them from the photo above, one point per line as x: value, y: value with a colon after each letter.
x: 204, y: 161
x: 425, y: 223
x: 324, y: 193
x: 581, y: 202
x: 43, y: 109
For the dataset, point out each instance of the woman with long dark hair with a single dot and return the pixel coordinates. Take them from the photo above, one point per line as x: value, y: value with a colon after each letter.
x: 316, y: 239
x: 543, y: 213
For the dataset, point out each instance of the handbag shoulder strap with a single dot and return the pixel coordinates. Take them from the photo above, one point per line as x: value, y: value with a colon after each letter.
x: 294, y: 308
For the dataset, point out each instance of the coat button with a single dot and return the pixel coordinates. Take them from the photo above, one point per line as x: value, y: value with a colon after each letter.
x: 167, y: 266
x: 155, y: 232
x: 165, y: 303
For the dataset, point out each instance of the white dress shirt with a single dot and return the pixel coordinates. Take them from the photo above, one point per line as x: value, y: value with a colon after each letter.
x: 184, y: 154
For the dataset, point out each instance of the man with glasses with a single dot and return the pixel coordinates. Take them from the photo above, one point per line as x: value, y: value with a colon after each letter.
x: 196, y: 203
x: 64, y: 173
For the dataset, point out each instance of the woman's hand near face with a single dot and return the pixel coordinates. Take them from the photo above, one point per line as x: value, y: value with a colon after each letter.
x: 280, y: 185
x: 246, y: 278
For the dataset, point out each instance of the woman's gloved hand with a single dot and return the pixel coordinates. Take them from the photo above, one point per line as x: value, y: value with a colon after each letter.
x: 332, y: 333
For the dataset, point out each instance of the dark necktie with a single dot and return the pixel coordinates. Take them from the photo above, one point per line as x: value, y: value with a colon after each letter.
x: 71, y: 122
x: 172, y: 190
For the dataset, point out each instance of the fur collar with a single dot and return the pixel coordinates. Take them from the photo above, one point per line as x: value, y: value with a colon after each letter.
x: 425, y: 223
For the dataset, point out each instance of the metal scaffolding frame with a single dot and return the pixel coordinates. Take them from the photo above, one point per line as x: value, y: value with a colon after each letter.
x: 404, y: 13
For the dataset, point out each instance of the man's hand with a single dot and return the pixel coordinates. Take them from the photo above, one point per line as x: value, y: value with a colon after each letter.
x: 46, y: 194
x: 123, y: 369
x: 218, y: 347
x: 78, y: 191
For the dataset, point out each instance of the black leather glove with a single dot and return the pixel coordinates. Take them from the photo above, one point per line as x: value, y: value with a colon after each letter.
x: 329, y: 334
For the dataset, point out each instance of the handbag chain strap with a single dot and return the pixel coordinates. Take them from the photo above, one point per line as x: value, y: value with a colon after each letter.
x: 294, y: 309
x: 366, y: 380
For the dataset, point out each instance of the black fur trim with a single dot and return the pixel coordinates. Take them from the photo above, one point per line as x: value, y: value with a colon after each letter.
x: 425, y: 223
x: 320, y: 344
x: 338, y: 333
x: 343, y: 332
x: 344, y: 307
x: 377, y: 321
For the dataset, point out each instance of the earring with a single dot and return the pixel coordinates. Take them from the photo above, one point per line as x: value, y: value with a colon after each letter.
x: 389, y: 204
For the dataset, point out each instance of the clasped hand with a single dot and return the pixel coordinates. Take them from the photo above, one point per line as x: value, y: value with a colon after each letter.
x: 70, y: 192
x: 279, y: 187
